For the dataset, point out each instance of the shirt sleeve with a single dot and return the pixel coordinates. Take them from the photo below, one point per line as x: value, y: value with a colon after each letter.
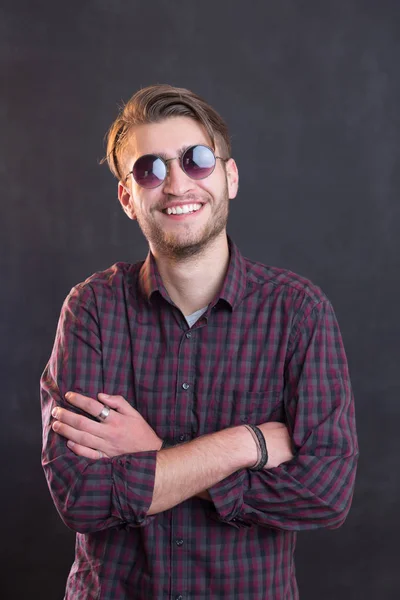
x: 315, y: 488
x: 89, y: 495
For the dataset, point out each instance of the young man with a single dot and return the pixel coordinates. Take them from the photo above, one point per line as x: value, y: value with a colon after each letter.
x: 197, y: 407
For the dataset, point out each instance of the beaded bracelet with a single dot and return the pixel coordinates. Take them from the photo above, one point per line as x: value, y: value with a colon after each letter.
x: 262, y: 461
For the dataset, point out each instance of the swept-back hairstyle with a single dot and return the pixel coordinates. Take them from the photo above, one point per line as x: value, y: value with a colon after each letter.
x: 154, y: 104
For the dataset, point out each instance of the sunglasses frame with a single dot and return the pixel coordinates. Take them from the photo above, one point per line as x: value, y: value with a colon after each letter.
x: 180, y: 158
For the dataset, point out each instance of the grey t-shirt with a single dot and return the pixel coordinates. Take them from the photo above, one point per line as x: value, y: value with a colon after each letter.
x: 191, y: 319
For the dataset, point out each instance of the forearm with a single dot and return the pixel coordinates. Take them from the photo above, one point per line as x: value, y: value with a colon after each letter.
x: 190, y: 469
x: 312, y: 490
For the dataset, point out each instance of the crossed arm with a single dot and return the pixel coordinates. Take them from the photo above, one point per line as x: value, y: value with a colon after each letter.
x: 309, y: 490
x: 181, y: 472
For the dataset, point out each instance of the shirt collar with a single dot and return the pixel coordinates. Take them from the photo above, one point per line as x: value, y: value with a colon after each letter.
x: 150, y: 279
x: 233, y: 287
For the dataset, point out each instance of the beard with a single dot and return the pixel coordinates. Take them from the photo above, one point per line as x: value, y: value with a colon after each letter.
x: 186, y: 244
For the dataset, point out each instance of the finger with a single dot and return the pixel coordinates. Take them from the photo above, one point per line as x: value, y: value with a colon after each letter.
x: 89, y: 405
x: 80, y: 450
x: 78, y: 422
x: 79, y: 437
x: 117, y: 403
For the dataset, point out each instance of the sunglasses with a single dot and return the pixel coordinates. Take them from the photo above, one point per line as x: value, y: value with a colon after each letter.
x: 150, y: 170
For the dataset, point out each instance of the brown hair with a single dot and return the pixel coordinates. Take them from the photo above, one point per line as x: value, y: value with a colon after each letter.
x: 155, y: 103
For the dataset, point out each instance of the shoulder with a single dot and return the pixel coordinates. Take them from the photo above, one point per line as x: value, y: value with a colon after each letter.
x: 288, y: 295
x: 109, y: 283
x: 279, y: 281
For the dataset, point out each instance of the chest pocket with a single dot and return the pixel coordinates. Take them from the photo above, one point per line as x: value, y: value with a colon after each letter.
x: 238, y: 408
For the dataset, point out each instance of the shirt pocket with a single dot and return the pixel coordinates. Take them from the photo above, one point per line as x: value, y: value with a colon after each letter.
x: 237, y: 408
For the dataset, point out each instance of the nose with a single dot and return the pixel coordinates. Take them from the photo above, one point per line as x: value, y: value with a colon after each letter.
x: 176, y: 183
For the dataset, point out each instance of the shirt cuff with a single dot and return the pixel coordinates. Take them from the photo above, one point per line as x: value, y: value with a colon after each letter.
x: 227, y: 496
x: 133, y: 478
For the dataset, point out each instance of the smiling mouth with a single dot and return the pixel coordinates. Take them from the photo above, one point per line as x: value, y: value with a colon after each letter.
x: 185, y: 209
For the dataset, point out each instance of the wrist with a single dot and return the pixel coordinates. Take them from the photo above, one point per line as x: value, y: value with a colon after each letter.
x: 259, y: 440
x: 245, y: 450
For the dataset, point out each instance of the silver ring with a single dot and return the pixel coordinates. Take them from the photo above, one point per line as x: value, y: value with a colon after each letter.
x: 104, y: 413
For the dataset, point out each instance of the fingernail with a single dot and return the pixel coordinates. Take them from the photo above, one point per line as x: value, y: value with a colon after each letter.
x: 70, y: 444
x: 54, y: 412
x: 55, y: 425
x: 104, y: 396
x: 68, y: 395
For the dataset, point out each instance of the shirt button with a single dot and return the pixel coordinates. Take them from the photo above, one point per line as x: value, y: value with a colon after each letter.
x: 185, y: 386
x: 188, y: 334
x: 179, y: 597
x: 182, y: 438
x: 179, y: 542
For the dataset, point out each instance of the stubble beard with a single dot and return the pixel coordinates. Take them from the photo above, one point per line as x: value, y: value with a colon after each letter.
x: 181, y: 247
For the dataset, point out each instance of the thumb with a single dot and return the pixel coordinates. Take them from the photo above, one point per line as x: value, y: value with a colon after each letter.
x: 117, y: 403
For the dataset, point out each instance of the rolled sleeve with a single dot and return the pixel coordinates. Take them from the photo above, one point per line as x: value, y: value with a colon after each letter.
x: 315, y: 488
x: 89, y: 495
x: 133, y: 478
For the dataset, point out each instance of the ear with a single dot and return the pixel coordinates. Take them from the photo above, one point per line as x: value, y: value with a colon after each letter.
x: 232, y: 175
x: 126, y: 200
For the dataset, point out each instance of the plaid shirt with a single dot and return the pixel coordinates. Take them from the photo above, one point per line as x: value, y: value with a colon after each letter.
x: 268, y: 348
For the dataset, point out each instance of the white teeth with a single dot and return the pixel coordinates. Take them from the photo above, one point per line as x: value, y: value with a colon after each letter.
x: 185, y: 209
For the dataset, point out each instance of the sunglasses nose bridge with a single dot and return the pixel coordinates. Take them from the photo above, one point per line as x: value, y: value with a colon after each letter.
x: 176, y: 181
x: 167, y: 162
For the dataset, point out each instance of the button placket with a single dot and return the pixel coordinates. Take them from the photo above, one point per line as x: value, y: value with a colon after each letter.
x: 185, y: 388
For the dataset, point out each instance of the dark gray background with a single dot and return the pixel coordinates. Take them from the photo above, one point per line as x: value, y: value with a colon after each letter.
x: 310, y: 90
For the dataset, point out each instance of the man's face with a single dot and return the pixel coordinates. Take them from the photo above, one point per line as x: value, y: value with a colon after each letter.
x: 185, y: 234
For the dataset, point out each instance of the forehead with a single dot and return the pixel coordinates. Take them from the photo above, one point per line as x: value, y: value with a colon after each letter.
x: 167, y: 137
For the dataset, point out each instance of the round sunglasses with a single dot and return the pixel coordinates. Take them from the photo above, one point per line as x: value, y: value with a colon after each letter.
x: 150, y: 170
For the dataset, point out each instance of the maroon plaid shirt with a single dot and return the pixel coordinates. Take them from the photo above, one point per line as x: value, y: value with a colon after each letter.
x: 267, y: 348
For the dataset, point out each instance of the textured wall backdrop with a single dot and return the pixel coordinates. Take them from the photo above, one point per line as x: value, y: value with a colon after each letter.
x: 310, y: 90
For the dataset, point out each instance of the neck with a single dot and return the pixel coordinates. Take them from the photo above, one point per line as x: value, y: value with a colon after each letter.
x: 194, y: 281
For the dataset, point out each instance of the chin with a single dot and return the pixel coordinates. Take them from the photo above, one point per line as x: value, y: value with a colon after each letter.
x: 185, y: 244
x: 187, y: 248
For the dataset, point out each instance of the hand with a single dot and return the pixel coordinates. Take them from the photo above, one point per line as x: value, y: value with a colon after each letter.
x: 278, y: 442
x: 123, y: 431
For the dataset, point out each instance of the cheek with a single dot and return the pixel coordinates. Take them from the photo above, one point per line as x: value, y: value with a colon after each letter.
x: 213, y: 186
x: 149, y: 202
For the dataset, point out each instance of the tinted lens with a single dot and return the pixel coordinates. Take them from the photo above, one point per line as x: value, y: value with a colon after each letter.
x: 198, y: 162
x: 149, y: 171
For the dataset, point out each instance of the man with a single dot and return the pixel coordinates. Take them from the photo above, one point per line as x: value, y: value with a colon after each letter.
x: 197, y: 407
